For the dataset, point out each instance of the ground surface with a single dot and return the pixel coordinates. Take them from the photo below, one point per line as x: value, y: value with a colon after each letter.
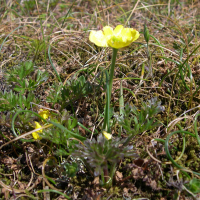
x: 48, y: 62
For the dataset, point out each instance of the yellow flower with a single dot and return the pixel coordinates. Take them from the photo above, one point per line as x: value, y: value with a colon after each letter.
x: 35, y: 134
x: 44, y: 113
x: 118, y: 38
x: 108, y: 136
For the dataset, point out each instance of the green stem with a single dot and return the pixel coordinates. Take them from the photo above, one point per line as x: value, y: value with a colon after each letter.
x: 109, y: 83
x: 112, y: 70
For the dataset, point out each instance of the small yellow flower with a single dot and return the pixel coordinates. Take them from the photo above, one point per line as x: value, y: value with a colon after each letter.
x: 35, y: 134
x: 118, y: 38
x: 108, y: 136
x: 44, y: 113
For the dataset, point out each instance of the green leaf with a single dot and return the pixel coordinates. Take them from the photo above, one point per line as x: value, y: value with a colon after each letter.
x: 79, y: 137
x: 194, y: 185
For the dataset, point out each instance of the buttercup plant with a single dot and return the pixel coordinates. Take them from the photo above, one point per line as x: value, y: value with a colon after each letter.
x: 104, y: 153
x: 118, y: 38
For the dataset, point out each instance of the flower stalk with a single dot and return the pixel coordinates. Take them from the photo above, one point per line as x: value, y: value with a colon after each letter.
x: 112, y: 68
x: 106, y: 125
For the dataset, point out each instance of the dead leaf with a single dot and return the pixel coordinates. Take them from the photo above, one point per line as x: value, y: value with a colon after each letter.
x: 7, y: 160
x: 96, y: 181
x: 137, y: 173
x: 125, y: 190
x: 153, y: 184
x: 118, y: 176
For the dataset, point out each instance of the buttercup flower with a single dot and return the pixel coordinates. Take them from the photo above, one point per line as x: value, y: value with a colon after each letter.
x: 108, y: 136
x: 118, y: 38
x: 35, y: 134
x: 44, y: 113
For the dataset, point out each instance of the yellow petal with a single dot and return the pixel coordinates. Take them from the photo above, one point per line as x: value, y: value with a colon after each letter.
x: 35, y: 134
x: 108, y: 31
x: 98, y: 38
x: 127, y: 34
x: 118, y: 30
x: 135, y: 35
x: 44, y: 113
x: 108, y: 136
x: 130, y: 34
x: 37, y: 125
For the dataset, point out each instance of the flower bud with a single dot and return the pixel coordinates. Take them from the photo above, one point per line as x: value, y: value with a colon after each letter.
x: 146, y: 33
